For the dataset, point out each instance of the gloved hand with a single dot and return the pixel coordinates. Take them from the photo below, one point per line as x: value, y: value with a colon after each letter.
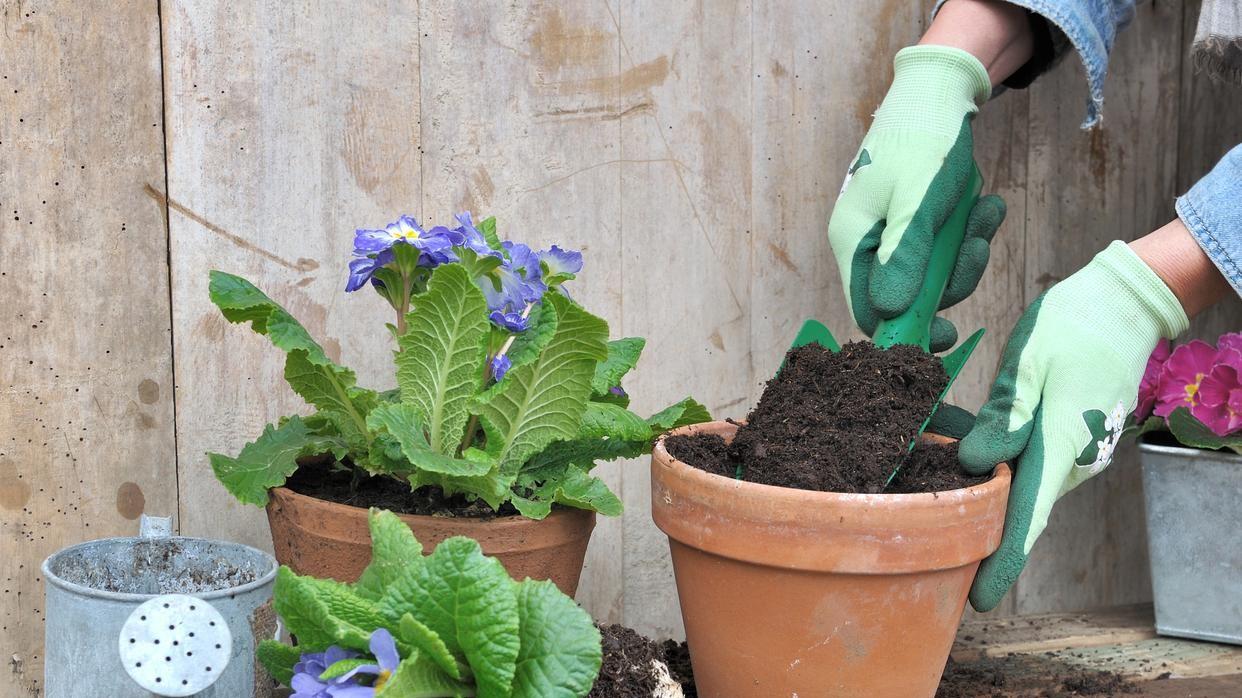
x: 909, y: 174
x: 1068, y: 379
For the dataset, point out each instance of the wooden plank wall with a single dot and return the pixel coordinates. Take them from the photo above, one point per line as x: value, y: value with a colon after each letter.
x: 692, y: 151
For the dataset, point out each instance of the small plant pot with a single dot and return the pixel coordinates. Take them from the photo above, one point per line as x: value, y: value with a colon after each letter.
x: 792, y: 592
x: 326, y: 539
x: 1196, y: 560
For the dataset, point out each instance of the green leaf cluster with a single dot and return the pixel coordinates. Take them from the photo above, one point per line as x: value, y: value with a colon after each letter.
x: 531, y: 438
x: 462, y: 626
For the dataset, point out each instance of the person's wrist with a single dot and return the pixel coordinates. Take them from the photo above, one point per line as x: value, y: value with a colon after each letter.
x: 996, y: 33
x: 1174, y: 256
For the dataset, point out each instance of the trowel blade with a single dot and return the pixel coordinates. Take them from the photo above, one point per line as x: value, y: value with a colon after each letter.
x: 953, y: 363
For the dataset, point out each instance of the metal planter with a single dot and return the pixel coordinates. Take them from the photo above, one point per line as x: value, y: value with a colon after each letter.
x: 1194, y: 513
x: 155, y: 615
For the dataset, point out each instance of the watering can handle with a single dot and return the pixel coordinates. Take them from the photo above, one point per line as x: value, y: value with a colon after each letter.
x: 914, y: 325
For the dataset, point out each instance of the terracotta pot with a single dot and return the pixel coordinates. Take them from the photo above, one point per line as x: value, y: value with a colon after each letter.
x: 789, y: 592
x: 326, y: 539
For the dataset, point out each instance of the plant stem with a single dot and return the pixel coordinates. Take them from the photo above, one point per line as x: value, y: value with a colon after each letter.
x: 405, y: 303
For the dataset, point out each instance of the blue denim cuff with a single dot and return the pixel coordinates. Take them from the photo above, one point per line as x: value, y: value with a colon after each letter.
x: 1212, y: 211
x: 1088, y: 26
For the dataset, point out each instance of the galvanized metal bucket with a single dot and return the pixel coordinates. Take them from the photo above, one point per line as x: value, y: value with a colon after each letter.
x: 155, y: 615
x: 1193, y: 519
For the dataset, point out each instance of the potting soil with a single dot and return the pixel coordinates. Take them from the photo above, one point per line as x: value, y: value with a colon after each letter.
x: 1027, y: 676
x: 627, y: 670
x: 316, y: 477
x: 838, y: 422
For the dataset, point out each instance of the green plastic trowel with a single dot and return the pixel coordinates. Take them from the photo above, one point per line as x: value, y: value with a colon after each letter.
x: 914, y: 325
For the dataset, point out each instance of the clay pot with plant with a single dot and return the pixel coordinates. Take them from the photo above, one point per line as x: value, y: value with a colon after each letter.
x: 508, y: 392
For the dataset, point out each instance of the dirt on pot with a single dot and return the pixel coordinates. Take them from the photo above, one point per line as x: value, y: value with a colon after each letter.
x: 1027, y: 676
x: 317, y: 477
x: 637, y: 667
x: 838, y: 422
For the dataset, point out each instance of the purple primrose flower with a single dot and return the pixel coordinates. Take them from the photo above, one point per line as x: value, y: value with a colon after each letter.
x: 561, y: 261
x: 1181, y: 375
x: 306, y: 673
x: 384, y: 648
x: 500, y: 366
x: 373, y: 248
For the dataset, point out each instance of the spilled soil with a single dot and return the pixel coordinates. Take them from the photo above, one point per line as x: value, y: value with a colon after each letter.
x: 633, y: 664
x: 838, y: 422
x: 1024, y: 676
x: 320, y: 478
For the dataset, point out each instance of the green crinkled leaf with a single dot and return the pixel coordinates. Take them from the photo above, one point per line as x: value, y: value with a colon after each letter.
x: 394, y: 549
x: 1134, y: 430
x: 419, y: 677
x: 413, y: 633
x: 492, y: 487
x: 344, y: 667
x: 470, y: 602
x: 358, y: 614
x: 560, y: 647
x: 308, y: 617
x: 570, y: 486
x: 1189, y: 431
x: 403, y: 422
x: 540, y: 328
x: 487, y: 226
x: 309, y: 371
x: 268, y: 460
x: 542, y: 401
x: 601, y: 420
x: 278, y: 659
x: 622, y: 356
x: 440, y: 362
x: 688, y: 411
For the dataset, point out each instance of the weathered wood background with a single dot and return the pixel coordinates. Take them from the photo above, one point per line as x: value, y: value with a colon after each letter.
x: 691, y: 150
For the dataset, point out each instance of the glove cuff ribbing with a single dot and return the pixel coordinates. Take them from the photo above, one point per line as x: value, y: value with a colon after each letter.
x: 934, y: 88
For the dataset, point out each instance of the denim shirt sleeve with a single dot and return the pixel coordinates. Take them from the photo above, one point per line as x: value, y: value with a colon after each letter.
x: 1090, y: 28
x: 1212, y: 210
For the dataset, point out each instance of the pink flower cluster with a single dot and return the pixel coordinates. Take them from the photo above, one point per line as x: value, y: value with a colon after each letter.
x: 1205, y: 379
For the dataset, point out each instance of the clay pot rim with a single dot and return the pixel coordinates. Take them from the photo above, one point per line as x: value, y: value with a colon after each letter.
x: 863, y: 500
x: 469, y: 526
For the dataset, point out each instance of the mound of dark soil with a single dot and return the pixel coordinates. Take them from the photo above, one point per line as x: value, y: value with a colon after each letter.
x: 1028, y: 677
x: 838, y: 422
x: 627, y: 667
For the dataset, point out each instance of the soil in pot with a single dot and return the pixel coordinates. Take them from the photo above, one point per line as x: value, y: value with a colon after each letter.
x: 634, y: 666
x: 838, y: 422
x: 318, y: 478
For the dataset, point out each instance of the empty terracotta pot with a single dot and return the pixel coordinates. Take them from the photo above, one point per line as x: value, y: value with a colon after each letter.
x: 788, y: 592
x: 326, y: 539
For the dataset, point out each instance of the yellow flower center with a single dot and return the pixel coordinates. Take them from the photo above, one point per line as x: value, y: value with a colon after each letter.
x: 407, y: 235
x: 384, y: 675
x: 1192, y: 389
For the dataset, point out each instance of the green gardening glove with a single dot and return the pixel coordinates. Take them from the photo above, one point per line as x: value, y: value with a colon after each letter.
x: 910, y: 172
x: 1067, y: 381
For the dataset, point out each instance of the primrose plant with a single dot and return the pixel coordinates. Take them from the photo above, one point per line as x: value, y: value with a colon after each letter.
x: 1193, y: 391
x: 452, y: 623
x: 508, y: 391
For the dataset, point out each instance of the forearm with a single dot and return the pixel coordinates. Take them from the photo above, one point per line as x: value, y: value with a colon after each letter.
x: 997, y: 33
x: 1181, y: 263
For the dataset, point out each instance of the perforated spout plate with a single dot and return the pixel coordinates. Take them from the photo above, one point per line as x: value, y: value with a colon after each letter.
x: 175, y: 645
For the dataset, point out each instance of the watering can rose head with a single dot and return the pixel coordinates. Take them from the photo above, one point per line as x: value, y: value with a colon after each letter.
x: 508, y: 391
x: 1194, y: 391
x: 449, y: 623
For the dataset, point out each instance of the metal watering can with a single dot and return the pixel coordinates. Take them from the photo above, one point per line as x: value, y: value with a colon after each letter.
x: 156, y: 615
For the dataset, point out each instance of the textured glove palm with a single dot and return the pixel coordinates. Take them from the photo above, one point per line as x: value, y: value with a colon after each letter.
x: 1068, y: 379
x: 911, y: 170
